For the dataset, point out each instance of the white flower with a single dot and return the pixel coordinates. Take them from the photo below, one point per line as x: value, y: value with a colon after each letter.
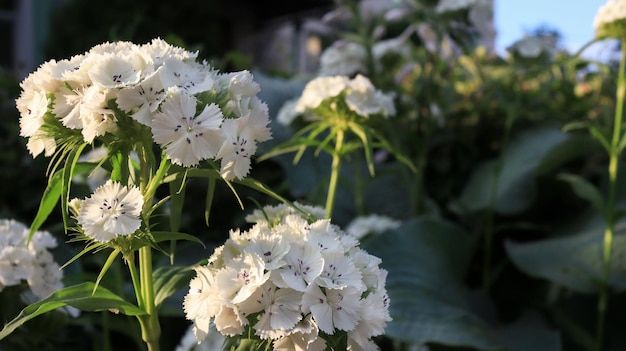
x: 229, y: 321
x: 287, y: 112
x: 339, y: 272
x: 286, y: 278
x: 111, y: 210
x: 39, y: 143
x: 29, y: 261
x: 453, y: 5
x: 303, y: 264
x: 343, y: 58
x: 281, y: 310
x: 46, y: 277
x: 529, y: 47
x: 85, y: 108
x: 612, y: 13
x: 143, y: 99
x: 364, y: 99
x: 236, y: 150
x: 240, y: 277
x: 187, y: 138
x: 278, y: 213
x: 158, y: 50
x: 333, y: 308
x: 374, y: 317
x: 201, y: 301
x: 32, y: 104
x: 361, y: 226
x: 16, y: 264
x: 189, y: 76
x: 303, y: 337
x: 113, y: 71
x: 271, y: 248
x: 320, y: 89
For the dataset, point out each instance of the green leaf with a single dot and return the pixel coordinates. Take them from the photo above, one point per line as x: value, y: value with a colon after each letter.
x: 168, y: 280
x: 601, y: 137
x: 583, y: 188
x: 576, y: 146
x: 160, y: 236
x: 51, y: 196
x: 426, y: 261
x: 177, y: 199
x: 529, y: 332
x: 209, y: 200
x: 105, y: 267
x: 68, y: 174
x: 574, y: 261
x: 78, y: 296
x: 367, y: 146
x: 516, y: 180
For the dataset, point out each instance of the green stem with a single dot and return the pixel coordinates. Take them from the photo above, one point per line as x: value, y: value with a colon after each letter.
x: 150, y: 327
x: 603, y: 300
x: 334, y: 174
x: 489, y: 230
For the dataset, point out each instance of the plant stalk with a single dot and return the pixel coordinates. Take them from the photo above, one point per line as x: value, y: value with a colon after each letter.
x: 150, y: 327
x: 614, y: 155
x: 334, y: 174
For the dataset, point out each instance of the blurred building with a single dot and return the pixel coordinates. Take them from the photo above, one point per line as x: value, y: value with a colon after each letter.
x: 287, y: 36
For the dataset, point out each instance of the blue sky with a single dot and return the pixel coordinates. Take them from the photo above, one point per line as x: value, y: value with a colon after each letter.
x: 572, y: 18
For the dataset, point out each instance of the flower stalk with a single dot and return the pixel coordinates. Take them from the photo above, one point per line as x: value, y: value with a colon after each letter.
x: 611, y: 218
x: 334, y: 173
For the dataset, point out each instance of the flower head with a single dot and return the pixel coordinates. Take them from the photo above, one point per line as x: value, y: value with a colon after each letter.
x: 112, y: 92
x: 348, y: 98
x: 27, y: 261
x: 610, y: 20
x: 285, y: 279
x: 113, y: 209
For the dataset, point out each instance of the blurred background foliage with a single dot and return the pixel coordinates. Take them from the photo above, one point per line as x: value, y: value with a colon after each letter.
x: 496, y: 250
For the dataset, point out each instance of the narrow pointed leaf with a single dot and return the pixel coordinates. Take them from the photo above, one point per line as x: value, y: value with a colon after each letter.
x: 50, y: 197
x: 105, y: 267
x: 367, y: 146
x: 80, y: 296
x: 68, y: 173
x: 161, y: 236
x: 168, y: 280
x: 209, y: 200
x: 177, y: 199
x: 584, y: 189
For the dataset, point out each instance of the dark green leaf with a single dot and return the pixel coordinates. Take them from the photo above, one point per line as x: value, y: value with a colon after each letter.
x: 168, y: 280
x: 574, y: 261
x: 583, y: 188
x: 51, y: 196
x: 426, y: 261
x: 80, y: 296
x: 516, y: 179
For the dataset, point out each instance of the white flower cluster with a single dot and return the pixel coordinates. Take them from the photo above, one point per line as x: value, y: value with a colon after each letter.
x: 609, y: 14
x: 294, y: 283
x: 193, y: 111
x: 358, y: 94
x: 31, y: 262
x: 349, y: 58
